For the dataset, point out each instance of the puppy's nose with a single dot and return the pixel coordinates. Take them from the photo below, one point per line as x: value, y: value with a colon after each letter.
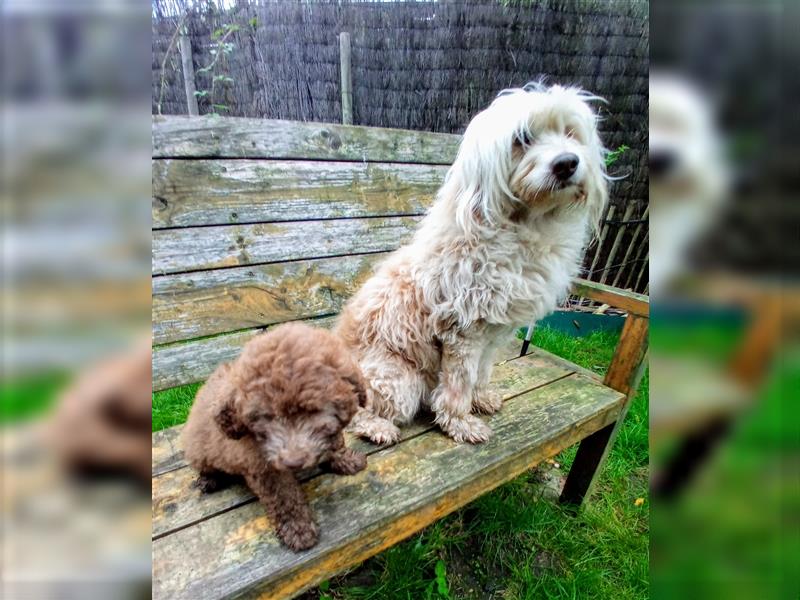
x: 661, y: 162
x: 292, y: 461
x: 565, y: 165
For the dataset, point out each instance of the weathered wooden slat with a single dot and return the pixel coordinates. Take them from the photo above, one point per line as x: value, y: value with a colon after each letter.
x: 222, y: 192
x: 198, y: 304
x: 195, y: 249
x: 194, y: 360
x: 177, y: 503
x: 404, y: 488
x: 168, y: 456
x: 632, y: 302
x: 234, y: 137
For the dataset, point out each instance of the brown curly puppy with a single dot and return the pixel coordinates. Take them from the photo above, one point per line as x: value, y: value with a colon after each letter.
x: 281, y: 406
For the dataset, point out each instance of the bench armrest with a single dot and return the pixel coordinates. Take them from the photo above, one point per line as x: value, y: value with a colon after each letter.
x: 629, y: 356
x: 623, y: 375
x: 631, y: 302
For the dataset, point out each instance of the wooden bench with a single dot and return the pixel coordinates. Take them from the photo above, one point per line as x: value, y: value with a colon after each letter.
x: 259, y: 222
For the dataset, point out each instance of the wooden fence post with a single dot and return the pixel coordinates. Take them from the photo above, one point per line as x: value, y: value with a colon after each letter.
x: 347, y: 82
x: 617, y: 239
x: 628, y: 251
x: 188, y: 74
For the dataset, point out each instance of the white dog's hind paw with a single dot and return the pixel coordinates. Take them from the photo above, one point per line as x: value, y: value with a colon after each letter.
x: 487, y: 402
x: 468, y: 429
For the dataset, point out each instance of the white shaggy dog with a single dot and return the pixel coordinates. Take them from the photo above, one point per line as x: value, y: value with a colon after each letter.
x: 688, y: 176
x: 501, y: 244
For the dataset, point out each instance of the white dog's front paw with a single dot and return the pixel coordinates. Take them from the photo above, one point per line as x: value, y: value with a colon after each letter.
x: 468, y: 429
x: 378, y: 431
x: 486, y: 401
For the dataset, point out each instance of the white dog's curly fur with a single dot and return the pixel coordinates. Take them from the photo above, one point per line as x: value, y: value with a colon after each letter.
x: 500, y: 245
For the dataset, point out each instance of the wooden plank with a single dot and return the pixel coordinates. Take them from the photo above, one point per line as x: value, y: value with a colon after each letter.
x: 631, y: 302
x: 346, y: 79
x: 404, y: 488
x: 199, y: 248
x: 192, y: 361
x: 222, y: 192
x: 167, y: 455
x: 624, y: 374
x: 187, y: 66
x: 643, y: 253
x: 610, y: 210
x: 235, y: 137
x: 612, y: 254
x: 177, y: 503
x: 193, y: 305
x: 634, y: 238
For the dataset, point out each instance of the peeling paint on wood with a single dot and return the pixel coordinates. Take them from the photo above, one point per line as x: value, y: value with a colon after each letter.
x: 219, y: 192
x: 195, y: 249
x: 234, y: 137
x: 205, y: 303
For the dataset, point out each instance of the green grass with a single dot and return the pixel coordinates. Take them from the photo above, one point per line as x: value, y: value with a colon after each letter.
x: 508, y: 544
x: 27, y: 397
x: 171, y: 407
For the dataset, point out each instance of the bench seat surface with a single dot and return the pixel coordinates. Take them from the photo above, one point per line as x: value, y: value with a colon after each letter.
x: 222, y: 544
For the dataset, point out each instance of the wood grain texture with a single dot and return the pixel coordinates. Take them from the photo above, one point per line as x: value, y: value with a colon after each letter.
x: 234, y: 137
x: 192, y: 361
x: 167, y: 455
x: 629, y: 356
x: 223, y: 192
x: 205, y: 303
x: 199, y: 248
x: 177, y: 503
x: 404, y: 488
x: 632, y: 302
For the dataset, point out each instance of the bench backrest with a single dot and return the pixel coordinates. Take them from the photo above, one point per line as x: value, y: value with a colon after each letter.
x: 257, y: 222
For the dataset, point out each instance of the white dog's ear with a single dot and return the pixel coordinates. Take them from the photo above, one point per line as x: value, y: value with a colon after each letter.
x: 597, y: 182
x: 478, y: 179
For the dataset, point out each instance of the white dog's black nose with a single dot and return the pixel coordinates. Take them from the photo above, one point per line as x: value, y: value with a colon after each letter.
x: 661, y: 162
x: 565, y: 165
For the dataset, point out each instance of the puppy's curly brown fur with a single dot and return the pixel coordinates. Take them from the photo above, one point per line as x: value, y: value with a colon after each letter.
x: 281, y: 406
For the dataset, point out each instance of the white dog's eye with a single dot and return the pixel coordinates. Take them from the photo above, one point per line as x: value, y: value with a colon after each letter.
x: 523, y: 139
x: 569, y: 132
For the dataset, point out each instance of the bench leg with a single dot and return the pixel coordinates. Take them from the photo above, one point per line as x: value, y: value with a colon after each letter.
x: 585, y: 468
x: 623, y: 375
x: 694, y: 451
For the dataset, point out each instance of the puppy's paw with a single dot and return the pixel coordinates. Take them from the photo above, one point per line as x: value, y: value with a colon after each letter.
x: 486, y: 402
x: 298, y: 535
x: 468, y: 429
x: 348, y: 462
x: 208, y: 483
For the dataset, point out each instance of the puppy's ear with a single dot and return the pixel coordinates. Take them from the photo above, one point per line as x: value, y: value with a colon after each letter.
x: 226, y: 416
x: 357, y: 381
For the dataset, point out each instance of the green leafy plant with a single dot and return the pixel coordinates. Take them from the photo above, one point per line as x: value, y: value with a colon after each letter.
x: 221, y: 50
x: 441, y: 579
x: 438, y: 587
x: 614, y: 155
